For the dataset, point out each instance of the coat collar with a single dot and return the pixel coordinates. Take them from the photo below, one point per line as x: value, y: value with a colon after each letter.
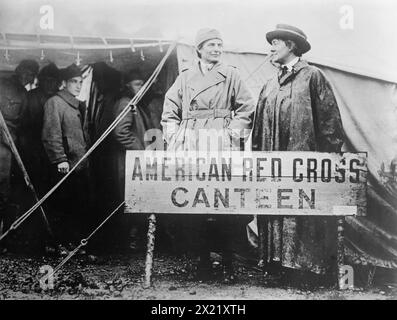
x: 200, y: 82
x: 69, y: 98
x: 295, y: 70
x: 291, y: 64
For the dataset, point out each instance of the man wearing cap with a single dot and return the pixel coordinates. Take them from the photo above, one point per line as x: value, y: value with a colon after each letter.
x: 129, y: 135
x: 209, y: 97
x: 65, y: 142
x: 13, y: 104
x: 297, y: 111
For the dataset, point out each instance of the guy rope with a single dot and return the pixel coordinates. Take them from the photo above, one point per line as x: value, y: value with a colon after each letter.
x: 83, y: 243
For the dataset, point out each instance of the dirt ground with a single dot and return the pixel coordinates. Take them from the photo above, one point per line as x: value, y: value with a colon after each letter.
x: 120, y: 277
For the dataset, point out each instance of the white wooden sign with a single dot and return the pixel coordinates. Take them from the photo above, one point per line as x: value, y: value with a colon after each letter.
x: 271, y: 183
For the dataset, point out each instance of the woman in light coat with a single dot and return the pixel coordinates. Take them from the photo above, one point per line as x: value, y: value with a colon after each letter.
x: 210, y: 97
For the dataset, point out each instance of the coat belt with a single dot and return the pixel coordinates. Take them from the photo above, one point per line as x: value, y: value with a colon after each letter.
x: 206, y: 114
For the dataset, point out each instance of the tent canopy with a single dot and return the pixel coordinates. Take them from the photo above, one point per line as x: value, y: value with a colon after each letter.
x: 366, y: 47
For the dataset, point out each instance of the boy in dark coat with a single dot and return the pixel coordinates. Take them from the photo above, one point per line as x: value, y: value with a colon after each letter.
x: 66, y: 141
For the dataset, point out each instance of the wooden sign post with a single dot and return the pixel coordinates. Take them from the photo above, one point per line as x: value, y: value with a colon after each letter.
x: 252, y: 183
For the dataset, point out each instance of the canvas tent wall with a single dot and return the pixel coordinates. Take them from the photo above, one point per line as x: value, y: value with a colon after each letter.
x: 368, y: 107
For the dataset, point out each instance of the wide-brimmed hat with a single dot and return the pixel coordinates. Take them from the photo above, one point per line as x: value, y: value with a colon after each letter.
x: 287, y: 32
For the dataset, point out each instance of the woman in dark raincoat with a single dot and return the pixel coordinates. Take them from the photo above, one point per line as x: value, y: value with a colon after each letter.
x: 297, y: 111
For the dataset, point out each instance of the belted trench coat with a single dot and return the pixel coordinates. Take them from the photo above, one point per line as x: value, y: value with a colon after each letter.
x: 218, y: 100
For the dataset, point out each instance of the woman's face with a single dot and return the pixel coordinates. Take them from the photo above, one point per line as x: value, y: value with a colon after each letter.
x: 279, y: 51
x: 211, y: 51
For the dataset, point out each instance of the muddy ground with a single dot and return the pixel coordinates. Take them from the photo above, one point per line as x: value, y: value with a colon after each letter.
x: 120, y: 277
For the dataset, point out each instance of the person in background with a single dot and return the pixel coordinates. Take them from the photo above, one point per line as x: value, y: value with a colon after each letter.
x: 297, y: 111
x: 129, y: 135
x: 36, y: 159
x: 13, y: 105
x: 66, y: 141
x: 106, y: 86
x: 154, y: 101
x: 34, y: 155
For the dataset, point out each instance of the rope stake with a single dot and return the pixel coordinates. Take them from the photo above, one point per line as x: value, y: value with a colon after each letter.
x: 83, y: 243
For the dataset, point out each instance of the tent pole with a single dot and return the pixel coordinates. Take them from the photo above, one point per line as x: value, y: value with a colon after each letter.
x: 340, y: 252
x: 150, y: 250
x: 262, y: 223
